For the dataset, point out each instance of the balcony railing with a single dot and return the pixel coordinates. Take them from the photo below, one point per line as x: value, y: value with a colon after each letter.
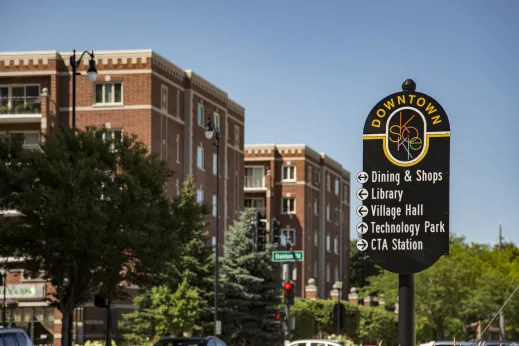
x: 261, y: 210
x: 20, y: 105
x: 254, y: 182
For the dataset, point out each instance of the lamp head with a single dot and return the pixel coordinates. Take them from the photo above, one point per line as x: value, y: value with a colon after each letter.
x: 92, y: 71
x: 209, y: 132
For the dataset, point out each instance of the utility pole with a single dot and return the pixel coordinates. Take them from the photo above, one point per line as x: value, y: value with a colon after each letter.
x: 501, y: 314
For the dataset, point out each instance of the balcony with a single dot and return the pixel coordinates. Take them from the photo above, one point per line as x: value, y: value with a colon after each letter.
x: 254, y: 182
x: 20, y: 110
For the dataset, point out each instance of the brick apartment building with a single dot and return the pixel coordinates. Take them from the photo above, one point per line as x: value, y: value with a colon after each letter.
x: 309, y: 193
x: 136, y: 92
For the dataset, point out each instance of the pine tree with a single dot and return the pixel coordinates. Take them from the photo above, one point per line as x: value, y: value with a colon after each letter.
x: 251, y: 289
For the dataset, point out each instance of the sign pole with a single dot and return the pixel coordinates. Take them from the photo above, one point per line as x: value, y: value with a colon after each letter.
x: 406, y: 322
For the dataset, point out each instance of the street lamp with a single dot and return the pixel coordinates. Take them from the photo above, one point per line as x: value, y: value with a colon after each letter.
x: 338, y: 286
x: 3, y: 271
x: 214, y: 131
x: 91, y: 73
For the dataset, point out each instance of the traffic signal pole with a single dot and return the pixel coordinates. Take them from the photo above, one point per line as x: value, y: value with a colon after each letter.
x: 288, y: 318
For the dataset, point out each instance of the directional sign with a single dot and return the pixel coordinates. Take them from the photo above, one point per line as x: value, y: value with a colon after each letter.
x: 362, y: 177
x: 362, y: 194
x: 362, y: 211
x: 407, y: 158
x: 362, y: 244
x: 362, y: 227
x: 287, y: 256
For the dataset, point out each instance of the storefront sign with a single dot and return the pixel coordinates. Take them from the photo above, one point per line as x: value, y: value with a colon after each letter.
x: 24, y: 291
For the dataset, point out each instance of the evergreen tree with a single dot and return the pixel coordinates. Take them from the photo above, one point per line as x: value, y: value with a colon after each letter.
x: 251, y: 288
x: 193, y: 268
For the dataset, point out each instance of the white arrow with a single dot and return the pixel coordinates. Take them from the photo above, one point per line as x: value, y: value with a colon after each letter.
x: 362, y: 244
x: 362, y: 227
x: 362, y: 177
x: 362, y: 211
x: 362, y: 194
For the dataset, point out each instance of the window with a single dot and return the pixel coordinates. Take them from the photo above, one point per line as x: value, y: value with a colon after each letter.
x: 213, y: 242
x: 178, y: 186
x: 290, y: 234
x: 289, y: 173
x: 214, y: 205
x: 256, y: 203
x: 201, y: 115
x: 178, y: 148
x: 31, y: 140
x: 237, y: 135
x: 177, y: 112
x: 109, y: 93
x: 337, y: 216
x: 289, y: 205
x: 337, y: 187
x: 336, y: 245
x: 215, y: 163
x: 317, y: 177
x: 328, y: 272
x: 254, y: 177
x: 316, y: 207
x: 164, y: 97
x: 200, y: 157
x: 20, y: 99
x: 346, y: 193
x: 316, y: 238
x: 113, y: 135
x: 328, y: 182
x: 200, y: 195
x: 316, y: 269
x: 328, y: 212
x: 336, y: 273
x: 216, y: 120
x: 328, y: 242
x: 310, y: 174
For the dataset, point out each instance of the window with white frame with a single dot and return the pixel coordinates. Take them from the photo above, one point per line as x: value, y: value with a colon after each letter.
x: 178, y: 148
x: 201, y: 115
x: 256, y: 203
x: 328, y: 187
x: 328, y: 242
x: 213, y: 243
x: 316, y: 238
x: 316, y: 207
x: 328, y: 279
x: 177, y: 105
x: 337, y: 216
x: 337, y: 184
x: 336, y: 245
x: 288, y: 205
x: 254, y: 177
x: 113, y: 135
x: 328, y: 212
x: 216, y: 120
x: 30, y: 140
x: 316, y: 269
x: 294, y: 273
x: 20, y: 98
x: 336, y: 273
x: 309, y: 174
x: 317, y: 177
x: 200, y: 157
x: 290, y: 235
x: 109, y: 93
x: 200, y: 195
x: 164, y: 97
x: 215, y: 163
x: 289, y: 173
x: 214, y: 205
x: 236, y: 135
x: 346, y: 193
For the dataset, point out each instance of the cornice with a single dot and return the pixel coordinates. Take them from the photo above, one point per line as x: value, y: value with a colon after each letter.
x: 206, y: 86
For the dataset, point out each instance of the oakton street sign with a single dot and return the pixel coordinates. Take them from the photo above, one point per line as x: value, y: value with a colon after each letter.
x: 287, y: 256
x: 405, y: 178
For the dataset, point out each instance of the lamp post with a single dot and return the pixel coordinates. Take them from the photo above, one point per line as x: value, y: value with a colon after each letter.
x: 214, y: 131
x: 4, y: 283
x: 91, y: 73
x: 338, y: 286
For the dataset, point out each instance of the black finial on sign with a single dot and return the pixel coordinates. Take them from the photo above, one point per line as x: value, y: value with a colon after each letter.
x: 409, y: 85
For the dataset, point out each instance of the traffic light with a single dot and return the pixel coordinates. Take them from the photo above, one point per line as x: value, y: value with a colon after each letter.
x: 276, y: 231
x: 288, y: 290
x: 279, y: 316
x: 261, y: 233
x: 339, y: 315
x: 100, y: 301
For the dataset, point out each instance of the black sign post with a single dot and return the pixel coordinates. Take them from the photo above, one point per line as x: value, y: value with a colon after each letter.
x: 405, y: 192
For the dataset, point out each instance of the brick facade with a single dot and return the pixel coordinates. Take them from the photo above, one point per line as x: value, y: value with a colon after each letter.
x: 325, y: 241
x: 141, y: 93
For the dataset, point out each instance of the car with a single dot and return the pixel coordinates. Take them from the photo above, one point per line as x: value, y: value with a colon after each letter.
x: 14, y: 337
x: 202, y: 341
x: 316, y: 342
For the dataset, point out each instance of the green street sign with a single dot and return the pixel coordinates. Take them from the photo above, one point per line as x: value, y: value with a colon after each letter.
x: 287, y: 256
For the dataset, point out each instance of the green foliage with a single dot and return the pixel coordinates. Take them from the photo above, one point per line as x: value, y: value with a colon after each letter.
x: 361, y: 267
x: 94, y: 214
x: 98, y: 343
x: 184, y: 277
x: 306, y: 325
x: 341, y: 338
x: 251, y: 290
x: 376, y: 324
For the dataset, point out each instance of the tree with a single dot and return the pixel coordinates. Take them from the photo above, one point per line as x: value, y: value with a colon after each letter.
x: 251, y: 288
x: 362, y: 267
x: 192, y: 267
x: 94, y: 214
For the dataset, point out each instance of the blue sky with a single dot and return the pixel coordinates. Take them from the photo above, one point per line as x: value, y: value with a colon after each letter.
x: 310, y: 71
